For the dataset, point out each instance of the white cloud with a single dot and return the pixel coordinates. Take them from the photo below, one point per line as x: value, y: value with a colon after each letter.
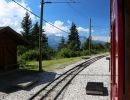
x: 50, y: 30
x: 69, y: 22
x: 101, y: 38
x: 81, y: 29
x: 11, y: 14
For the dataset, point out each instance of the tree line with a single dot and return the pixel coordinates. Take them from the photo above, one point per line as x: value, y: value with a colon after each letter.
x: 70, y: 48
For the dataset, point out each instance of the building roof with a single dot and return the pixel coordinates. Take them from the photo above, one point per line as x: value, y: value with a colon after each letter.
x: 14, y: 35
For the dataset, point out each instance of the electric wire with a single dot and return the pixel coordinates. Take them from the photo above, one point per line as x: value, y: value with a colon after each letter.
x: 44, y: 19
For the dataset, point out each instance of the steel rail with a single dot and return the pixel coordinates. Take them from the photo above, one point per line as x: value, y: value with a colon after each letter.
x: 77, y: 68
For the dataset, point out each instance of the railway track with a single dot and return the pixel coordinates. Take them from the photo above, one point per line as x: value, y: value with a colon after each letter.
x: 53, y: 90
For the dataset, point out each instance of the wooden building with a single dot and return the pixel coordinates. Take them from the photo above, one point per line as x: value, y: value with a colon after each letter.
x: 9, y: 40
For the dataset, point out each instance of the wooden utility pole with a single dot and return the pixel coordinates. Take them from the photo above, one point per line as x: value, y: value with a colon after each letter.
x: 40, y: 37
x: 90, y: 37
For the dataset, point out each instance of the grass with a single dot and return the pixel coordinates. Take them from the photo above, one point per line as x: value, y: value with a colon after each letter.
x: 52, y: 64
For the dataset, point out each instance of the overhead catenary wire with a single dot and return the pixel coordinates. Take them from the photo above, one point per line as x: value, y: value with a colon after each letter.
x: 26, y: 9
x: 60, y: 2
x: 83, y: 15
x: 44, y: 19
x: 39, y: 17
x: 76, y: 10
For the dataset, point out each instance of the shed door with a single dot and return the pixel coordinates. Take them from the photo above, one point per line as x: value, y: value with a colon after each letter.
x: 8, y: 57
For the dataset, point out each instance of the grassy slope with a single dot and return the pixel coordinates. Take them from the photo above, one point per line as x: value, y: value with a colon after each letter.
x: 53, y: 64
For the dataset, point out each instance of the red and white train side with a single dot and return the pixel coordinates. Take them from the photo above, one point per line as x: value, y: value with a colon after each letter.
x: 120, y: 49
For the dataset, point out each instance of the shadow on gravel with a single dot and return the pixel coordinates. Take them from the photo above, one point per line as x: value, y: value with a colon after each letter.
x: 43, y: 78
x: 8, y: 83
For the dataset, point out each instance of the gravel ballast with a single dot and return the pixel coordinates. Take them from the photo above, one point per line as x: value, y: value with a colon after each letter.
x: 97, y: 72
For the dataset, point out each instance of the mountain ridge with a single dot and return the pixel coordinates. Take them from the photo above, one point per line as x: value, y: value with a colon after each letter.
x: 54, y: 40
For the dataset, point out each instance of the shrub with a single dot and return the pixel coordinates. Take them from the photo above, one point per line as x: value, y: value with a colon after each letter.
x: 21, y: 62
x: 48, y: 53
x: 95, y: 51
x: 21, y: 50
x: 63, y: 53
x: 34, y: 54
x: 84, y: 53
x: 30, y: 55
x: 67, y: 53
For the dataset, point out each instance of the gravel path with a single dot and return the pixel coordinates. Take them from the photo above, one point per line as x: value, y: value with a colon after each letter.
x: 76, y: 90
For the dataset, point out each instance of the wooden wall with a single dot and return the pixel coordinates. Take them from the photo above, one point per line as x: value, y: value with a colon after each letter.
x: 8, y: 52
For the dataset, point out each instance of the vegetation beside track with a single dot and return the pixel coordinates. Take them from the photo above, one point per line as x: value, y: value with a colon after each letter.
x: 51, y: 64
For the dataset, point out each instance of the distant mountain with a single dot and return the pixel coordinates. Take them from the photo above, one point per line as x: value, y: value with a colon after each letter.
x: 98, y: 41
x: 82, y: 39
x: 54, y: 40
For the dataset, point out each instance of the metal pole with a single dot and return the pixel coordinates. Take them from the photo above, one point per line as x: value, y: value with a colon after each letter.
x: 40, y: 37
x: 40, y: 32
x: 90, y: 38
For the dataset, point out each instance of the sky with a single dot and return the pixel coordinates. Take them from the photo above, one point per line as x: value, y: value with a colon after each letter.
x: 61, y: 15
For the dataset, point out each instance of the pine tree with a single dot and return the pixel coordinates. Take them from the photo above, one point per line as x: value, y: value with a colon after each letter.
x: 26, y: 25
x: 35, y: 35
x: 73, y: 38
x: 61, y: 44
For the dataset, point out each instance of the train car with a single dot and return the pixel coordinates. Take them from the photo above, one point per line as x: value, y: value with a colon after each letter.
x: 120, y: 49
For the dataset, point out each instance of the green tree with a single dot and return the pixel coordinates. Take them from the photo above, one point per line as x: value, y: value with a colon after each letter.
x: 97, y: 46
x: 107, y: 45
x: 61, y: 44
x: 73, y: 38
x: 26, y: 25
x: 35, y: 35
x: 85, y: 45
x: 47, y: 52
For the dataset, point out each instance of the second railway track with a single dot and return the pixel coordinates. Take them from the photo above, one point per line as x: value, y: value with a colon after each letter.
x: 53, y: 89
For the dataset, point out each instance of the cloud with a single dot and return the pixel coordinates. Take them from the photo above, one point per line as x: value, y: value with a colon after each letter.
x: 11, y: 14
x: 50, y: 30
x: 81, y: 29
x: 101, y: 38
x: 69, y: 22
